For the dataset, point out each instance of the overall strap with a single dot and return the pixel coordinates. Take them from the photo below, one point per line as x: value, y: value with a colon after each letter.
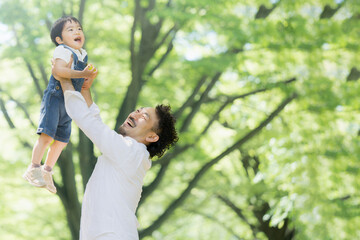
x: 74, y: 54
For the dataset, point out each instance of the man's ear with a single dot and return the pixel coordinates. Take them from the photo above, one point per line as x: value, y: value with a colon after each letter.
x: 59, y: 40
x: 152, y: 137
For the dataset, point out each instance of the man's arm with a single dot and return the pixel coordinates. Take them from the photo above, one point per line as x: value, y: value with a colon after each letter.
x: 66, y: 84
x: 86, y: 93
x: 85, y: 114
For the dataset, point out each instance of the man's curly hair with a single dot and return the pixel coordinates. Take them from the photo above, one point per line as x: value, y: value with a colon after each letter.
x: 166, y: 131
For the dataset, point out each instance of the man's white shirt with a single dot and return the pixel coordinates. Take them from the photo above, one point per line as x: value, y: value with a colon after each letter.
x: 114, y: 189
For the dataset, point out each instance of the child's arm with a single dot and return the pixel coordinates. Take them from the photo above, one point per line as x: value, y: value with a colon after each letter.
x: 62, y: 70
x: 67, y: 84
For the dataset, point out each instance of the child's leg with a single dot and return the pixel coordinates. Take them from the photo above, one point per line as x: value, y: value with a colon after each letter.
x: 53, y: 154
x: 33, y: 173
x: 51, y: 158
x: 39, y: 148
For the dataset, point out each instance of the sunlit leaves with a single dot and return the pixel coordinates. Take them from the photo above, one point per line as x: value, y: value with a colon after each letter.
x: 304, y: 164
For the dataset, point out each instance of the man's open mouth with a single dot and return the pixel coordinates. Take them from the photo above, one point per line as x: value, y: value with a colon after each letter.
x: 131, y: 122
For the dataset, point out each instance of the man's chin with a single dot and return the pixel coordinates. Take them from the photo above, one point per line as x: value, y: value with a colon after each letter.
x: 121, y: 131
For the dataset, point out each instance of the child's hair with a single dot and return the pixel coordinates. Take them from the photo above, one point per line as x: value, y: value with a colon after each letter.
x: 58, y: 26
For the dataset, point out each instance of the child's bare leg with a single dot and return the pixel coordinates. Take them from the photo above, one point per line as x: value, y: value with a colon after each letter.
x: 33, y: 173
x: 53, y: 154
x: 51, y: 158
x: 39, y: 148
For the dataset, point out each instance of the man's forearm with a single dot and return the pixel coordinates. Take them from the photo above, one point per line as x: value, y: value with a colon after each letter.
x: 66, y: 84
x: 87, y: 96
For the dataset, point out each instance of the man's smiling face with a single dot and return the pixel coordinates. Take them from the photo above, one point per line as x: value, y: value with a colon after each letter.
x: 141, y: 125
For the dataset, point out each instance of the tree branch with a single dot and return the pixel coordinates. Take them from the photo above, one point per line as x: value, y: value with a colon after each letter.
x: 87, y: 158
x: 29, y: 67
x: 180, y: 149
x: 214, y: 219
x: 6, y: 115
x: 10, y: 122
x: 68, y: 194
x: 149, y: 34
x: 48, y: 23
x: 353, y: 75
x: 81, y: 10
x: 163, y: 58
x: 190, y: 100
x: 264, y: 12
x: 238, y: 212
x: 173, y: 29
x: 36, y: 80
x: 139, y: 58
x: 176, y: 203
x: 197, y: 105
x: 147, y: 190
x: 133, y: 55
x: 22, y: 107
x: 231, y: 99
x: 271, y: 86
x: 131, y: 96
x: 329, y: 12
x: 164, y: 161
x: 43, y: 74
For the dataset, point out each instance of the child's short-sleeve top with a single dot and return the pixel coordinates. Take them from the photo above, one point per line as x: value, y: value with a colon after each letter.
x: 65, y: 54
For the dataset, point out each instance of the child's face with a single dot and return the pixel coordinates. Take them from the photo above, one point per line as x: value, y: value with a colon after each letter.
x: 72, y: 35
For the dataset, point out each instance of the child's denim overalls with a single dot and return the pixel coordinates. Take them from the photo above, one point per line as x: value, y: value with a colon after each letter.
x: 54, y: 121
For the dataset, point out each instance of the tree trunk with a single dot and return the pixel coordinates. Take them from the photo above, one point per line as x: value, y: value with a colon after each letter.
x: 86, y: 157
x: 68, y: 192
x: 273, y: 233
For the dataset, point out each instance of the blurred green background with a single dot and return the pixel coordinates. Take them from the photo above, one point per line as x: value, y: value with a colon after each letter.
x: 266, y: 94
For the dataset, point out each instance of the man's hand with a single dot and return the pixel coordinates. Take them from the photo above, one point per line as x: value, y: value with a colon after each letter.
x: 88, y: 82
x: 85, y: 89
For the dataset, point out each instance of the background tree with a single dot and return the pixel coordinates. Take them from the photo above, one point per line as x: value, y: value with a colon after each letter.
x: 266, y: 99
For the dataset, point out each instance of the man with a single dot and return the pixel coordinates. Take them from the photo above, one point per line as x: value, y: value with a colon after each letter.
x: 114, y: 188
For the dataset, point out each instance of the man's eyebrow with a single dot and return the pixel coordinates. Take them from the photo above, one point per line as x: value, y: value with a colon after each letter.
x: 145, y: 112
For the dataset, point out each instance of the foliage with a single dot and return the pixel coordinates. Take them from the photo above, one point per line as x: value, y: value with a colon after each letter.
x: 267, y: 113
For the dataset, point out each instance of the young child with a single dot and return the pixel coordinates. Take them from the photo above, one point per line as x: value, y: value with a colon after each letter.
x: 55, y: 124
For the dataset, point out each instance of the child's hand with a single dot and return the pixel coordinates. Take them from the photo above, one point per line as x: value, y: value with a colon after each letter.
x: 90, y: 71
